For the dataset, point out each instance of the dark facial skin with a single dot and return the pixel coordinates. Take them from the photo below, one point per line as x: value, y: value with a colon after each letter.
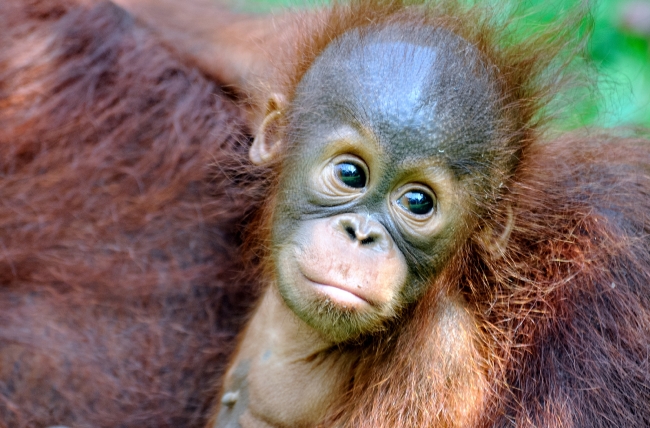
x: 387, y: 135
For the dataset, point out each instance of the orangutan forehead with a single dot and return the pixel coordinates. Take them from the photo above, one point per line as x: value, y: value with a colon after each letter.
x: 426, y: 85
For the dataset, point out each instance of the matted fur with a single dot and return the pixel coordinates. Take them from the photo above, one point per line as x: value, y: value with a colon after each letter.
x: 120, y: 278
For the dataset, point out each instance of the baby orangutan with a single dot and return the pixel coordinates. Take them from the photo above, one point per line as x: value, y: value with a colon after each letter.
x: 431, y: 253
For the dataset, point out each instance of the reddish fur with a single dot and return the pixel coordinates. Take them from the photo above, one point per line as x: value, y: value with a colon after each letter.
x: 561, y: 347
x: 119, y: 244
x: 120, y: 290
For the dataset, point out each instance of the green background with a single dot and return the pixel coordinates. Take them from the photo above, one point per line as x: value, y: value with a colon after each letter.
x: 618, y: 60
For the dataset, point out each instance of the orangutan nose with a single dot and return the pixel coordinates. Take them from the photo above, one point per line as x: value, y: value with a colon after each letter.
x: 364, y: 230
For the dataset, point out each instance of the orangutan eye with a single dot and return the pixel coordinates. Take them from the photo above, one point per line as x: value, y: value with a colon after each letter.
x: 417, y: 202
x: 351, y: 174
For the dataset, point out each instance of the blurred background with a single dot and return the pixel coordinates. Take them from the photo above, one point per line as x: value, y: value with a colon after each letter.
x: 618, y: 54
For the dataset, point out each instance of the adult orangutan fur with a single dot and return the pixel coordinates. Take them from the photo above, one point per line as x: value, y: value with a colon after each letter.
x: 119, y: 223
x: 119, y: 252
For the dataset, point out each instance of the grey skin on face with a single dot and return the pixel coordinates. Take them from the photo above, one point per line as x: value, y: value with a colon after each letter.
x: 384, y: 135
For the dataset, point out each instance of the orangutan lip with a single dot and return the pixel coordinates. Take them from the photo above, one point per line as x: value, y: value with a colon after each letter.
x: 337, y: 292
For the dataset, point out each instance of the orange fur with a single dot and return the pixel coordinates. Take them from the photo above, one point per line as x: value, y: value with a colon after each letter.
x: 121, y: 282
x: 562, y: 309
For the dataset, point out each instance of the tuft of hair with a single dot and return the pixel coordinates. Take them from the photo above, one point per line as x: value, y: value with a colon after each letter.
x: 530, y: 70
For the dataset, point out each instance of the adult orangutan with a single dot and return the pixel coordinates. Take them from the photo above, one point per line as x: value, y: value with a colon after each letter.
x: 119, y: 223
x: 433, y: 255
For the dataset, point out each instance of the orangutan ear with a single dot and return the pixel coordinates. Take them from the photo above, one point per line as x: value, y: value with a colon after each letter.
x: 497, y: 243
x: 268, y: 143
